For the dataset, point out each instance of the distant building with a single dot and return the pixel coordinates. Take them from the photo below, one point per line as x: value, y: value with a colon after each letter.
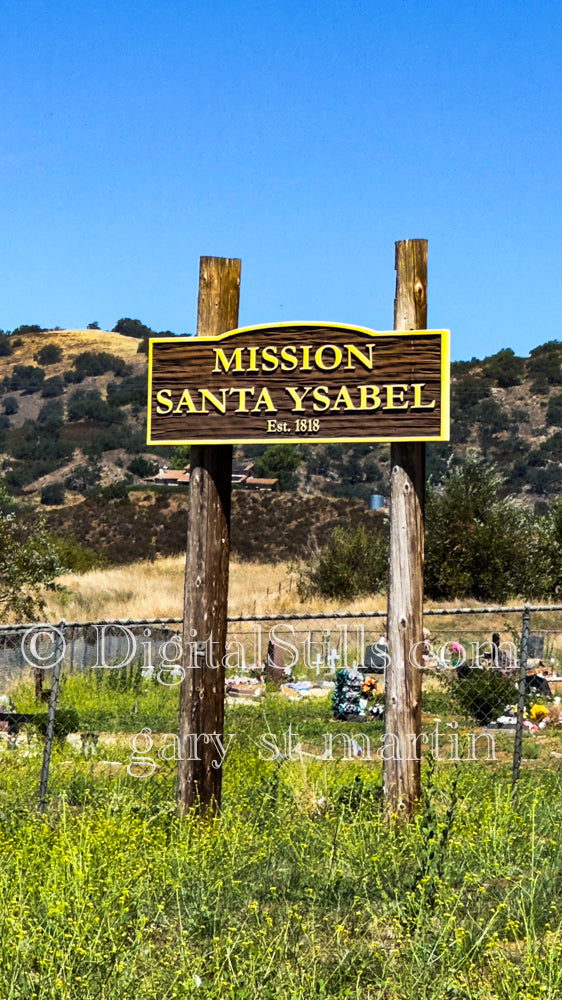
x: 240, y: 477
x: 169, y: 477
x: 252, y: 483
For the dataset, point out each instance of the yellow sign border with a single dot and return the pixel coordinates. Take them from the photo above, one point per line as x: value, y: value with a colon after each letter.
x: 444, y: 385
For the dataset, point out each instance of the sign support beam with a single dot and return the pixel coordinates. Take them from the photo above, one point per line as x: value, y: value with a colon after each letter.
x: 201, y: 713
x: 402, y: 752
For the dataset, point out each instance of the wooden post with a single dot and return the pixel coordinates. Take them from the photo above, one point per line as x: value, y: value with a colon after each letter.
x: 201, y: 711
x: 401, y: 765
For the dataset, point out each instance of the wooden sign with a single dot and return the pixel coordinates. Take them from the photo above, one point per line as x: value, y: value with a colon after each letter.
x: 294, y: 382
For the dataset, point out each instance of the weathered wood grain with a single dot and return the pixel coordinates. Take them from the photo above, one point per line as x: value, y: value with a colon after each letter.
x: 201, y: 714
x: 401, y: 766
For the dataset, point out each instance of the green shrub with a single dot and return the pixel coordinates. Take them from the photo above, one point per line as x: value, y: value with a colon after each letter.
x: 35, y: 439
x: 67, y: 721
x: 552, y: 448
x: 25, y: 329
x: 543, y: 366
x: 120, y: 435
x: 352, y: 491
x: 27, y: 379
x: 508, y: 449
x: 279, y: 462
x: 354, y: 561
x: 132, y: 328
x: 27, y: 472
x: 482, y: 695
x: 10, y: 405
x: 52, y: 414
x: 142, y: 467
x: 131, y: 389
x: 518, y: 476
x: 73, y: 557
x: 83, y: 478
x: 180, y: 457
x: 492, y: 417
x: 72, y: 377
x: 116, y: 491
x: 530, y: 750
x: 460, y: 430
x: 98, y: 363
x: 505, y: 368
x: 52, y: 494
x: 91, y: 406
x: 536, y: 458
x: 52, y: 387
x: 28, y: 563
x: 467, y: 394
x: 481, y: 544
x: 463, y: 367
x: 554, y: 411
x: 49, y: 354
x: 543, y: 480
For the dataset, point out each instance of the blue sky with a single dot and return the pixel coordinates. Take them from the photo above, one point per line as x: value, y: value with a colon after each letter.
x: 304, y: 139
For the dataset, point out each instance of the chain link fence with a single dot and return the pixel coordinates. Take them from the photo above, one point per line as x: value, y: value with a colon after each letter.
x: 491, y: 690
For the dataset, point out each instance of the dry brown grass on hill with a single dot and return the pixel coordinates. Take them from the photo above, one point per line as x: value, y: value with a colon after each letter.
x: 155, y: 589
x: 72, y: 343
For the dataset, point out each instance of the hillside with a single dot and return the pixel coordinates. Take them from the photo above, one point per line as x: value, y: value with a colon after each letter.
x: 509, y: 409
x: 265, y: 527
x: 72, y: 409
x: 72, y: 422
x: 506, y: 409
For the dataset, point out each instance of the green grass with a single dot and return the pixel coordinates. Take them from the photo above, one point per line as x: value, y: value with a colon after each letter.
x: 299, y: 890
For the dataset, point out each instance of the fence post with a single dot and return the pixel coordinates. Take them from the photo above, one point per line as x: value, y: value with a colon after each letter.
x: 518, y: 741
x: 53, y: 699
x: 401, y: 769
